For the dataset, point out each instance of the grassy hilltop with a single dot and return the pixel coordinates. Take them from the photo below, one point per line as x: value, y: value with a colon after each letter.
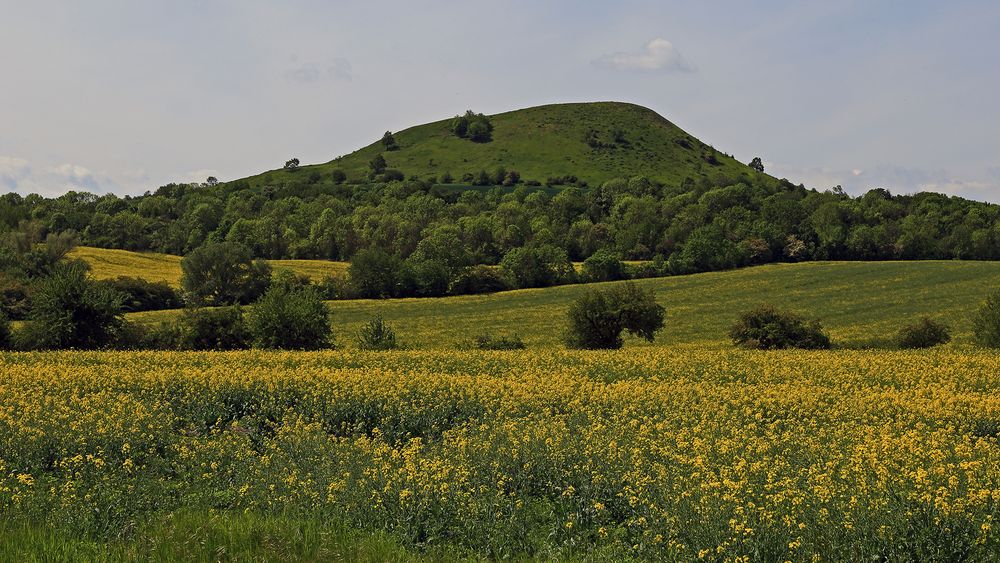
x: 542, y: 142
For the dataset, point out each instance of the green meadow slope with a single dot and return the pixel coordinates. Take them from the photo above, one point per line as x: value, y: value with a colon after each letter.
x: 861, y: 303
x: 542, y: 142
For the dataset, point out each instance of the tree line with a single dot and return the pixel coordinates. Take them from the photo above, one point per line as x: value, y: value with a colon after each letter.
x: 433, y: 235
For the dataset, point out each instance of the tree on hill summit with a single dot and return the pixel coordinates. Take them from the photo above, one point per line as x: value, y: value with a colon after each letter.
x: 473, y: 126
x: 389, y: 142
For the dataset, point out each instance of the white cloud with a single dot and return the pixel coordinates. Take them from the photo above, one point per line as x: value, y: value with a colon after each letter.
x: 76, y: 176
x: 896, y: 179
x: 658, y: 55
x: 13, y: 171
x: 18, y: 175
x: 338, y: 69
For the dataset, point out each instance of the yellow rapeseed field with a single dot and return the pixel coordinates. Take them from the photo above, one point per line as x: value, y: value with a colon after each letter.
x: 107, y: 263
x: 640, y: 453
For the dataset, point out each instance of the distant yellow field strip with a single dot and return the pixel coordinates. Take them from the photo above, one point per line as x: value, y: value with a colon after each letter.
x: 109, y: 263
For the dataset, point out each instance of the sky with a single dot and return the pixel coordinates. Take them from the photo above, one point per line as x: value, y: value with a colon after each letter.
x: 124, y: 96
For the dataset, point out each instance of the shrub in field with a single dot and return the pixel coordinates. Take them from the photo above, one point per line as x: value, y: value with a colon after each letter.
x: 223, y: 273
x: 143, y: 295
x: 487, y: 341
x: 476, y: 280
x: 766, y: 328
x: 290, y: 319
x: 376, y: 334
x: 599, y: 316
x: 220, y: 328
x: 986, y: 323
x: 924, y: 333
x: 604, y: 265
x: 69, y: 310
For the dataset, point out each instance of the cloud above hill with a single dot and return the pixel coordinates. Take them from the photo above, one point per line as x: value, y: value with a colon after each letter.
x: 658, y: 55
x: 13, y: 171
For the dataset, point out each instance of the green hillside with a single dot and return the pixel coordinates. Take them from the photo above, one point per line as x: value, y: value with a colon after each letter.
x: 861, y: 303
x: 542, y: 142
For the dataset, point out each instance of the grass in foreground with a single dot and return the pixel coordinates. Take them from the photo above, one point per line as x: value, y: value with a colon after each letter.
x: 862, y: 304
x: 193, y: 536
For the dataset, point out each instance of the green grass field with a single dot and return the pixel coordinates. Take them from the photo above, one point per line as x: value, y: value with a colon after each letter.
x: 207, y: 537
x: 860, y: 303
x: 539, y: 142
x: 108, y: 263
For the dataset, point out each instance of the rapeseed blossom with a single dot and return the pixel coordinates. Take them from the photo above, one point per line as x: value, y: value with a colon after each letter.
x: 645, y: 453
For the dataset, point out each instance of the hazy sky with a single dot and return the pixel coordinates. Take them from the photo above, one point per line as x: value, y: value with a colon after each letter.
x: 128, y: 95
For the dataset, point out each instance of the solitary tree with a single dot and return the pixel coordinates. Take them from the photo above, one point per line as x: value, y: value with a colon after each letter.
x: 223, y: 274
x: 211, y: 181
x: 377, y: 164
x: 389, y: 142
x: 757, y: 164
x: 599, y: 316
x: 290, y: 318
x: 292, y: 164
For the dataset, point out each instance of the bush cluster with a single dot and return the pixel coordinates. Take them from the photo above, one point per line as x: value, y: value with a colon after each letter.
x: 924, y: 333
x: 473, y: 126
x: 767, y: 328
x: 69, y: 310
x: 142, y: 295
x: 489, y: 341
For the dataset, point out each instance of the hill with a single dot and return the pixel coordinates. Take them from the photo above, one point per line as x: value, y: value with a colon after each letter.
x: 690, y: 214
x: 594, y: 141
x: 861, y: 304
x: 109, y: 263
